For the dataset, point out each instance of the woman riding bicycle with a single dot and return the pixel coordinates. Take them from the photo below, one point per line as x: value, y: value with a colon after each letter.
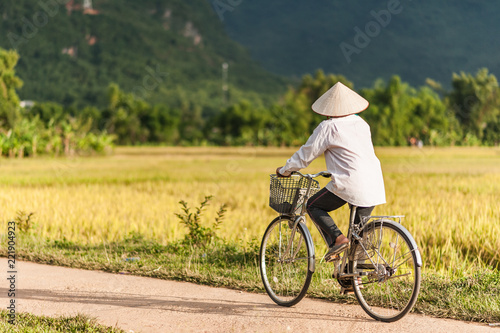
x: 345, y: 140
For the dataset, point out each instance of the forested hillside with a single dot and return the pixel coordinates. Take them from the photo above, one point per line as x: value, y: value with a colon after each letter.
x: 164, y: 51
x: 369, y: 39
x: 172, y: 50
x: 107, y: 72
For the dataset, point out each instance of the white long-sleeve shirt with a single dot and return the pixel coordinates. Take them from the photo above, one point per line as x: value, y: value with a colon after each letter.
x: 350, y: 158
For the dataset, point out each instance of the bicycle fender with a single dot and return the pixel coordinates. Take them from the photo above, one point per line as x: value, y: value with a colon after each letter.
x: 310, y: 244
x: 407, y: 234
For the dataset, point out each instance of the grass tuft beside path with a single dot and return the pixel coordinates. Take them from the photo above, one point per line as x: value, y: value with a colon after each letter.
x: 28, y: 323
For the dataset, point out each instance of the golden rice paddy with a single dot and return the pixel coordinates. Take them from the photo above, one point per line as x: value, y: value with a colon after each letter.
x: 450, y: 196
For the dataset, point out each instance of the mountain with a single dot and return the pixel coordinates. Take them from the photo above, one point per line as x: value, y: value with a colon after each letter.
x: 165, y: 51
x: 368, y: 39
x: 172, y: 51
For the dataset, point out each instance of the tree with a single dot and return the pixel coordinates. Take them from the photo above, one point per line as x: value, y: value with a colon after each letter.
x: 492, y: 132
x: 162, y: 123
x: 9, y: 82
x: 475, y: 101
x: 242, y: 124
x: 399, y: 112
x: 48, y: 111
x: 122, y: 116
x: 389, y: 113
x: 431, y: 122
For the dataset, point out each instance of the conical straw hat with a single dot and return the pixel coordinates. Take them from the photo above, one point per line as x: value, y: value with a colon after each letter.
x: 339, y: 101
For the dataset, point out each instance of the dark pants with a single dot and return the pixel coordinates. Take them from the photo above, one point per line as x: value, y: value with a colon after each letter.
x: 325, y: 201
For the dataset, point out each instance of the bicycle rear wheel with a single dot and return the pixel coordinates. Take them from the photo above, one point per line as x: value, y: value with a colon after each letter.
x: 284, y: 264
x: 390, y: 271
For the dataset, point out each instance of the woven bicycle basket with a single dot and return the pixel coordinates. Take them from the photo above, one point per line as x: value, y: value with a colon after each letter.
x: 286, y: 195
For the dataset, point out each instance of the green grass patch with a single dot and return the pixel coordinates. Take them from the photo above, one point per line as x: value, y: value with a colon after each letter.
x: 29, y: 323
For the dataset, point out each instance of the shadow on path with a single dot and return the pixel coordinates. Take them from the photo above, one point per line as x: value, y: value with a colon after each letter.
x: 192, y: 305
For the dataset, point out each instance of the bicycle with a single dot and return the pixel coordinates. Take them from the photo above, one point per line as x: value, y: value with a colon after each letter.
x: 381, y: 265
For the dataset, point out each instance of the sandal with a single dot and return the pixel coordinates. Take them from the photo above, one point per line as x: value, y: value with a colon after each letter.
x: 333, y: 252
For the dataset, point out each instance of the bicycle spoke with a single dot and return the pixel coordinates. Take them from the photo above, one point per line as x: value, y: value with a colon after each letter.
x: 395, y: 276
x: 295, y: 259
x: 396, y: 267
x: 395, y: 246
x: 280, y: 235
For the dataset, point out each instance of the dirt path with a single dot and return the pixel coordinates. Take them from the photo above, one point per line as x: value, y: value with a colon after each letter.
x: 141, y: 304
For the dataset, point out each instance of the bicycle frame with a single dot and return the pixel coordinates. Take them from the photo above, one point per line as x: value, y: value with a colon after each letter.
x: 353, y: 232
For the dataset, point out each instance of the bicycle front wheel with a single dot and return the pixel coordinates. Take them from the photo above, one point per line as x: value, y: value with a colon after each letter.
x: 390, y: 271
x: 284, y: 262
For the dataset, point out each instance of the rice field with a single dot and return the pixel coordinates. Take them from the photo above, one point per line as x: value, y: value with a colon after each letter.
x: 450, y: 196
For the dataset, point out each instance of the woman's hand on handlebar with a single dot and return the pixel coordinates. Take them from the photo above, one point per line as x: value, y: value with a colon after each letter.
x: 279, y: 174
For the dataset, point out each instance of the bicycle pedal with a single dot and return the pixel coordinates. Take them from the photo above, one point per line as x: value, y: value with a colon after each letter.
x: 346, y: 291
x: 331, y: 258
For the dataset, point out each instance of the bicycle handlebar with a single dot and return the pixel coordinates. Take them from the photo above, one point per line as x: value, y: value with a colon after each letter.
x: 325, y: 174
